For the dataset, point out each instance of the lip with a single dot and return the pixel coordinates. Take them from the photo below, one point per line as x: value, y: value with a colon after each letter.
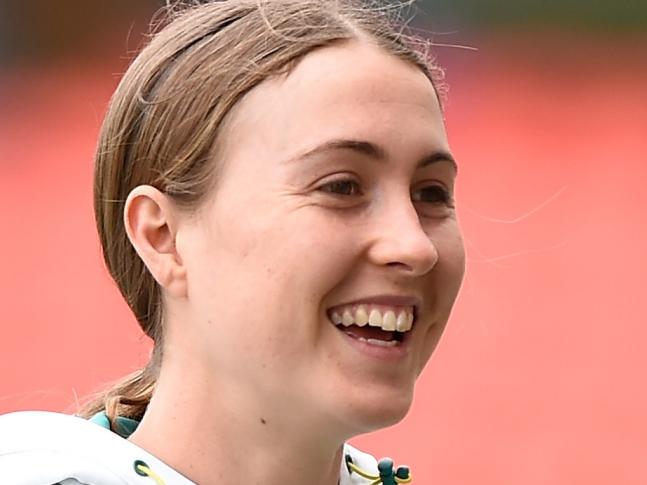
x: 392, y: 300
x: 387, y: 354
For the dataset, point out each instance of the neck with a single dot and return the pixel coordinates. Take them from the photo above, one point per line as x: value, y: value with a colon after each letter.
x: 219, y: 433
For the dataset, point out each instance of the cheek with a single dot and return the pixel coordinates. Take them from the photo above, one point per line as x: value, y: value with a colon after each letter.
x: 268, y: 274
x: 303, y: 268
x: 451, y: 255
x: 444, y: 285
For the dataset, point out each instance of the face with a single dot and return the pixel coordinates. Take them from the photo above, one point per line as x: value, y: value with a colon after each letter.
x: 332, y: 226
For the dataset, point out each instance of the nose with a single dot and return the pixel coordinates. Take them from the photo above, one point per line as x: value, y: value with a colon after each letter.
x: 400, y: 241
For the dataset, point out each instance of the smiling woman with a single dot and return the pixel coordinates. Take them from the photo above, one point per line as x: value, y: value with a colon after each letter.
x: 274, y: 195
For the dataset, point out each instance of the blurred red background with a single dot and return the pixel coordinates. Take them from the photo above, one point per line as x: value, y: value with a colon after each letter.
x: 540, y: 375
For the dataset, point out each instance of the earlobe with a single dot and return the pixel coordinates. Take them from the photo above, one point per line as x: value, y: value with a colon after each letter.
x: 150, y: 219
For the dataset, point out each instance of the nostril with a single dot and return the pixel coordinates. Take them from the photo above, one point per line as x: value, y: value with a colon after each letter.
x: 413, y: 266
x: 395, y: 263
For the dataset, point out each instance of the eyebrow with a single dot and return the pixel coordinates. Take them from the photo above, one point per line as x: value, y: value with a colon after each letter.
x: 374, y: 151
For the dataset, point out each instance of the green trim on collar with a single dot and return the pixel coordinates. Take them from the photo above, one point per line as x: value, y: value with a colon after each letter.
x: 124, y: 427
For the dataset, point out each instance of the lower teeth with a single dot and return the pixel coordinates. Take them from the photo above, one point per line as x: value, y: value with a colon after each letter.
x: 379, y: 343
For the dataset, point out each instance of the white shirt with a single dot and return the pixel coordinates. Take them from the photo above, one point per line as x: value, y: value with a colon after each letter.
x: 45, y: 448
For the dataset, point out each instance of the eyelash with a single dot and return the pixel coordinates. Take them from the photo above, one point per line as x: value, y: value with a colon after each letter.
x: 328, y: 187
x: 440, y: 194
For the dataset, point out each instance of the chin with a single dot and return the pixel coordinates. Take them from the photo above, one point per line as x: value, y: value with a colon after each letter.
x: 374, y: 412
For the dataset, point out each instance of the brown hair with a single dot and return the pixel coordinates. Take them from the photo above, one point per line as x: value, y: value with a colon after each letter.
x: 162, y: 125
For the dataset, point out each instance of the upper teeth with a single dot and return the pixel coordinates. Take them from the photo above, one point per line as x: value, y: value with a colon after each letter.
x: 389, y: 320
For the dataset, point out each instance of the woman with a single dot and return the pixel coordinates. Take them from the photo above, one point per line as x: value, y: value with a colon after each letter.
x: 274, y: 196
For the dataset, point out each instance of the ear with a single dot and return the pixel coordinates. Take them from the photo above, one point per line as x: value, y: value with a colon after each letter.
x: 151, y: 220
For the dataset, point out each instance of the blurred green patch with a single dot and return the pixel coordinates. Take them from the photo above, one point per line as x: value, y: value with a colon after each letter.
x: 42, y: 30
x: 605, y: 15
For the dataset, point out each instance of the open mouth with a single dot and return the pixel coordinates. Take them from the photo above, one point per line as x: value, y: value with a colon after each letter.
x: 378, y: 325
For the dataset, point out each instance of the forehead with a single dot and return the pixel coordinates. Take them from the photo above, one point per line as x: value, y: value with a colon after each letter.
x: 350, y: 90
x: 381, y: 75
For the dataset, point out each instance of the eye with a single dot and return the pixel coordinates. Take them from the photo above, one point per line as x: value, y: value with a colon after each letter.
x: 343, y: 187
x: 432, y: 194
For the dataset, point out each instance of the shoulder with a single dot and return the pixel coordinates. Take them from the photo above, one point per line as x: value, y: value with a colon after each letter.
x: 42, y: 448
x: 24, y: 426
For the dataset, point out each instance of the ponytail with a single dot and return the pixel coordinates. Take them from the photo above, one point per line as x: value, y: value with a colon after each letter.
x: 128, y: 397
